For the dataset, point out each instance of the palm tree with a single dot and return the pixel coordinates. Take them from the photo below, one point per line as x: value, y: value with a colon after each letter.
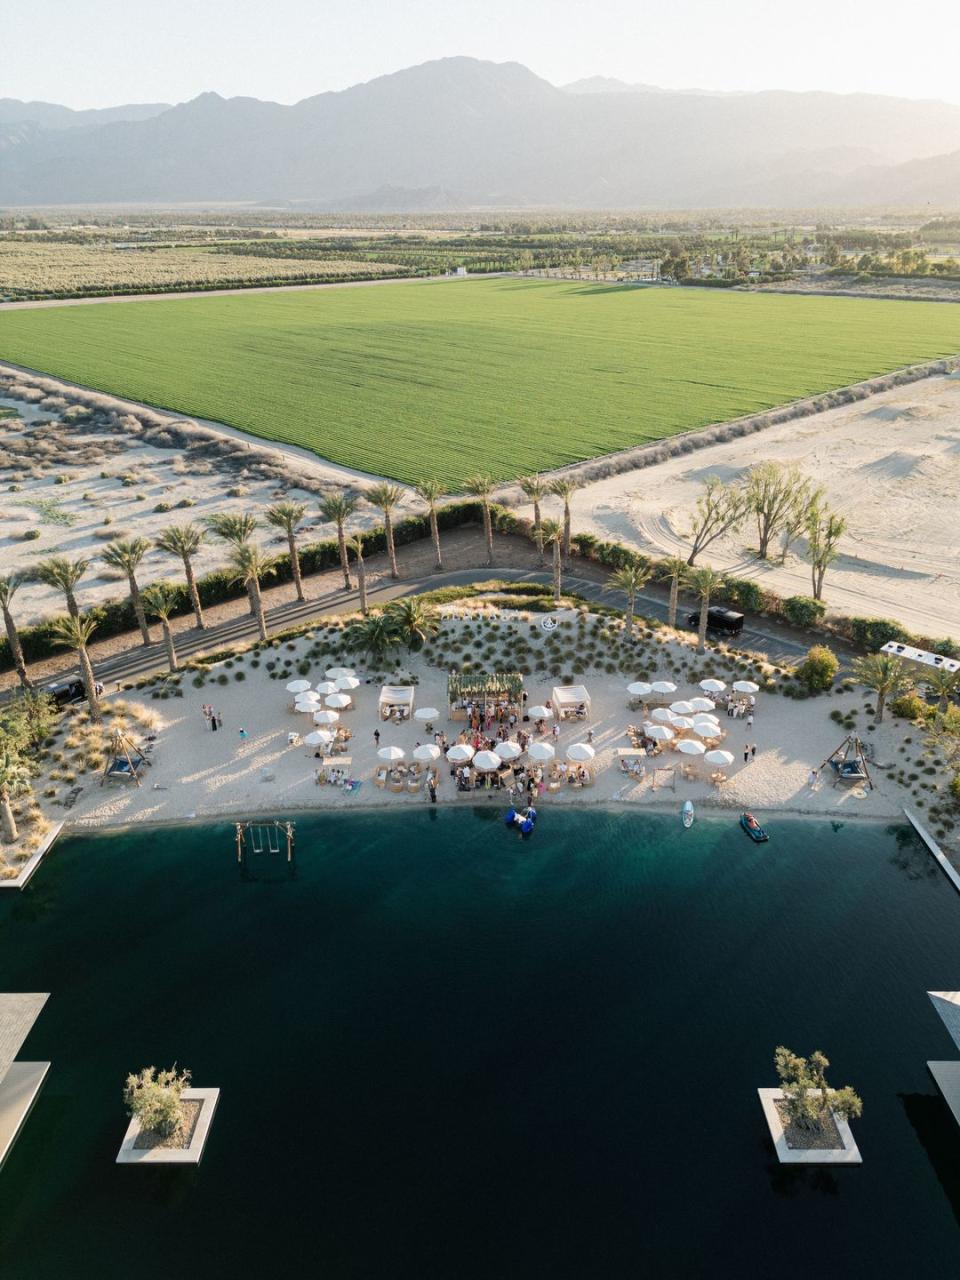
x: 565, y: 489
x: 185, y: 540
x: 481, y: 486
x: 63, y: 574
x: 286, y: 516
x: 885, y: 675
x: 161, y: 600
x: 630, y: 579
x: 553, y: 537
x: 126, y: 555
x: 356, y: 546
x: 14, y: 779
x: 704, y: 582
x: 536, y: 489
x: 386, y: 496
x: 9, y: 585
x: 236, y: 529
x: 249, y: 565
x: 944, y: 684
x: 373, y: 635
x: 414, y: 622
x: 75, y: 634
x: 337, y: 508
x: 430, y: 491
x: 673, y: 569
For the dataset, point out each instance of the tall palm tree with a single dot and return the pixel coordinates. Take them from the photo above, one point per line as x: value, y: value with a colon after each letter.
x: 287, y: 516
x: 126, y: 554
x: 337, y: 508
x: 944, y: 684
x: 386, y: 496
x: 430, y: 491
x: 536, y: 489
x: 704, y: 582
x: 160, y: 600
x: 481, y: 486
x: 374, y: 635
x: 414, y: 622
x: 185, y: 540
x: 673, y: 569
x: 885, y: 675
x: 249, y: 564
x: 630, y: 579
x: 356, y: 546
x: 236, y: 529
x: 553, y: 537
x: 63, y: 574
x: 565, y: 488
x: 9, y: 585
x: 75, y: 634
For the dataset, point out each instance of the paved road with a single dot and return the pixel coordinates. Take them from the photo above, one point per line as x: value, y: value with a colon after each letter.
x: 775, y: 642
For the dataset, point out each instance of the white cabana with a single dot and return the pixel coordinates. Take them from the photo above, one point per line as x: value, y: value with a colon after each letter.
x: 426, y: 714
x: 703, y: 704
x: 663, y: 686
x: 339, y: 701
x: 639, y: 689
x: 712, y: 686
x: 325, y: 687
x: 508, y: 750
x: 682, y: 708
x: 396, y: 701
x: 691, y: 748
x: 326, y: 717
x: 581, y: 751
x: 298, y: 686
x: 539, y: 712
x: 487, y: 761
x: 318, y: 738
x: 570, y: 702
x: 346, y: 683
x: 334, y: 673
x: 659, y: 733
x: 460, y: 753
x: 426, y: 752
x: 719, y: 757
x: 391, y: 754
x: 663, y: 714
x: 540, y: 751
x: 745, y: 686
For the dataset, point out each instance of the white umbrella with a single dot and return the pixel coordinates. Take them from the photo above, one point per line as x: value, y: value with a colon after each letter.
x: 659, y: 733
x: 312, y: 705
x: 703, y: 704
x: 337, y: 700
x: 706, y: 729
x: 663, y: 686
x: 460, y: 753
x: 509, y: 750
x: 319, y: 738
x: 580, y: 751
x: 718, y: 757
x: 540, y: 751
x: 325, y: 687
x: 426, y: 713
x: 740, y: 686
x: 639, y: 688
x: 391, y: 753
x: 691, y: 748
x: 712, y: 686
x: 663, y: 714
x: 539, y: 713
x: 345, y: 683
x: 426, y: 751
x: 487, y: 761
x: 334, y: 673
x: 298, y: 686
x: 307, y: 698
x: 705, y: 717
x: 682, y: 722
x: 682, y: 708
x: 326, y: 717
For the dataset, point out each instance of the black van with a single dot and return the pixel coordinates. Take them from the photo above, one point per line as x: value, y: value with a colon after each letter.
x: 720, y: 621
x: 66, y: 691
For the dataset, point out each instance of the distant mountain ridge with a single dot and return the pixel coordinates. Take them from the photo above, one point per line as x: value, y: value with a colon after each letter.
x: 48, y: 115
x: 459, y: 132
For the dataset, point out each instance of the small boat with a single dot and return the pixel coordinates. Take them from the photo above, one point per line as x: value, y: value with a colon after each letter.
x: 522, y: 818
x: 753, y: 828
x: 687, y: 813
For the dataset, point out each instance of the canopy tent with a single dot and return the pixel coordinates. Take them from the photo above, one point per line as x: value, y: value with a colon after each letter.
x: 485, y: 691
x: 396, y: 701
x: 570, y: 702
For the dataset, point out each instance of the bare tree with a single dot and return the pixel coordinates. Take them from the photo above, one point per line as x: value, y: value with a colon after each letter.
x: 720, y: 509
x: 824, y: 528
x: 775, y: 495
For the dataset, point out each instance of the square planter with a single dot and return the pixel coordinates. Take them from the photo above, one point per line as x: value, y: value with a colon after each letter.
x: 849, y: 1153
x: 130, y: 1153
x: 31, y: 864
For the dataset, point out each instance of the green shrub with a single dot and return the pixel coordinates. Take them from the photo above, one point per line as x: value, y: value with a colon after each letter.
x: 910, y: 706
x: 803, y: 611
x: 955, y: 788
x: 817, y: 671
x: 30, y: 535
x: 874, y: 633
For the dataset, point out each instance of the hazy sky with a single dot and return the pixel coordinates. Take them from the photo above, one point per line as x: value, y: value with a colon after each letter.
x: 88, y: 53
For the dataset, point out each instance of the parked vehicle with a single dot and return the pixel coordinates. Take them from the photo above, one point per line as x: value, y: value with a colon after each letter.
x: 720, y: 621
x: 65, y: 692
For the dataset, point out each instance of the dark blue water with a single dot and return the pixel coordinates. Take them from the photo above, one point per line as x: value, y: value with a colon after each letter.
x: 446, y: 1053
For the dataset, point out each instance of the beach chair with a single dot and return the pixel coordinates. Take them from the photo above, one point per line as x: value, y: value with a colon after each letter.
x: 397, y: 786
x: 554, y: 785
x: 381, y: 778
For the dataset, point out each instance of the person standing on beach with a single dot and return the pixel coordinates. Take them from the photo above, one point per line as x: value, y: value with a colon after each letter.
x: 213, y: 723
x: 746, y: 753
x: 243, y: 735
x: 376, y: 737
x: 753, y: 752
x: 750, y: 720
x: 432, y: 788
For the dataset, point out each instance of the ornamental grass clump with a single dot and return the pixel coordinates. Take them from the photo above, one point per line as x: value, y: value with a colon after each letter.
x: 155, y: 1099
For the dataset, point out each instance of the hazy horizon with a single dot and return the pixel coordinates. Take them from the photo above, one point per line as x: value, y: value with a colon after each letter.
x: 108, y: 52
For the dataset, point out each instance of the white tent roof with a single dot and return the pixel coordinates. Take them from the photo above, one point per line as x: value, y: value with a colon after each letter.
x: 396, y: 695
x: 569, y: 695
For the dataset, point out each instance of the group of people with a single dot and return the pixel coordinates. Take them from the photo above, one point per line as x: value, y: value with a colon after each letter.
x: 483, y: 716
x: 213, y: 718
x: 742, y: 707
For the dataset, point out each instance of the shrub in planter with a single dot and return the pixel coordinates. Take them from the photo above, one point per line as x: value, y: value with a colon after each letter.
x: 818, y: 670
x: 803, y: 611
x: 155, y: 1099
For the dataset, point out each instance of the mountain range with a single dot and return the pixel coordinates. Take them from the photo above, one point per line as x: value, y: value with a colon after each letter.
x: 459, y: 132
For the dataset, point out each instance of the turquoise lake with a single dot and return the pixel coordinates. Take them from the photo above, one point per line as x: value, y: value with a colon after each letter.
x: 444, y: 1052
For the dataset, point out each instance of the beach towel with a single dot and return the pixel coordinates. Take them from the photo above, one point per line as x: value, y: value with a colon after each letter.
x: 352, y: 784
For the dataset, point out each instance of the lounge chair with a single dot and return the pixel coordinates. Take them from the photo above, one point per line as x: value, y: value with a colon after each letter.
x: 381, y: 778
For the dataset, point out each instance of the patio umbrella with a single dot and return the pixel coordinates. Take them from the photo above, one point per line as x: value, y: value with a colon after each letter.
x: 539, y: 713
x: 487, y: 761
x: 540, y: 751
x: 337, y: 700
x: 691, y: 748
x: 704, y: 717
x: 319, y: 738
x: 508, y: 750
x: 659, y: 733
x: 703, y: 704
x: 391, y: 753
x: 682, y: 708
x: 326, y: 717
x: 325, y: 687
x: 639, y: 689
x: 663, y: 714
x: 426, y: 713
x: 345, y: 683
x: 580, y: 751
x: 426, y: 751
x: 739, y: 686
x: 334, y: 673
x: 306, y: 704
x: 460, y: 753
x: 298, y: 686
x: 682, y: 722
x: 663, y: 686
x: 712, y: 686
x: 706, y: 729
x: 717, y: 756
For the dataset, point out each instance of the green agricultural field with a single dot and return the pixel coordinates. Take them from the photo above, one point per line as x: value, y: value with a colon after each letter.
x: 499, y: 375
